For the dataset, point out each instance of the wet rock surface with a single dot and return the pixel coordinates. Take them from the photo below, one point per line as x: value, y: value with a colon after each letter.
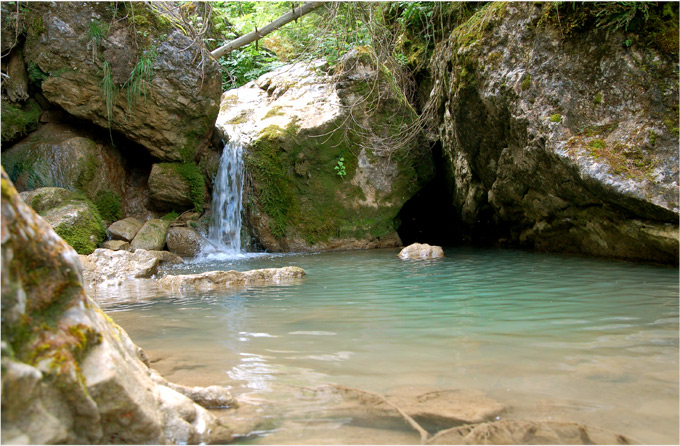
x: 184, y: 241
x: 151, y: 236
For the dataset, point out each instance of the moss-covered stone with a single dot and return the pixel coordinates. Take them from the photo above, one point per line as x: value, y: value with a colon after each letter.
x: 18, y: 121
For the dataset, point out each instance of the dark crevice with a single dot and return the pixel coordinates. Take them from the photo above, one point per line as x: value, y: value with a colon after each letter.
x: 429, y: 216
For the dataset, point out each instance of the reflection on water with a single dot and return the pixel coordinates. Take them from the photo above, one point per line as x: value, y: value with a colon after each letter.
x: 552, y: 337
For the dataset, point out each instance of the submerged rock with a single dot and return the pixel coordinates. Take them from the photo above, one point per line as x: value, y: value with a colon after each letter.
x: 529, y: 432
x: 151, y: 236
x: 325, y: 164
x: 421, y: 251
x: 70, y: 374
x: 214, y: 280
x: 72, y: 216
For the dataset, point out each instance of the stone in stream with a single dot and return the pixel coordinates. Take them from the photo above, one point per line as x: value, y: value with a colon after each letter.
x: 151, y: 236
x: 124, y: 229
x: 421, y: 251
x: 184, y: 241
x: 70, y: 374
x: 213, y: 280
x: 111, y: 268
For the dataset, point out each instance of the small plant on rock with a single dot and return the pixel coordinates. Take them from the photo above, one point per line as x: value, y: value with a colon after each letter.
x: 340, y: 168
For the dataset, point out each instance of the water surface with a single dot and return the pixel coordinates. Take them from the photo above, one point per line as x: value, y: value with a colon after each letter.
x: 550, y: 336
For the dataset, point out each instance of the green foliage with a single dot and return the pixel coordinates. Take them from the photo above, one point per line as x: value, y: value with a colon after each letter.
x: 97, y: 31
x: 556, y: 118
x: 35, y: 75
x: 109, y: 205
x: 597, y: 100
x: 141, y: 74
x: 246, y: 64
x: 526, y: 83
x: 613, y: 16
x: 107, y: 88
x: 340, y: 168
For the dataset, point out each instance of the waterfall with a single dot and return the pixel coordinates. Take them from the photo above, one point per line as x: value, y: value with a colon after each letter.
x: 224, y: 232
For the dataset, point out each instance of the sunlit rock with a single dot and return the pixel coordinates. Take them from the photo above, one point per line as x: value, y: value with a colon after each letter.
x: 215, y: 280
x: 421, y: 251
x: 151, y: 236
x: 125, y: 229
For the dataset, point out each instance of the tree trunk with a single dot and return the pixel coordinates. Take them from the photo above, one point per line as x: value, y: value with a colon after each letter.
x: 259, y: 33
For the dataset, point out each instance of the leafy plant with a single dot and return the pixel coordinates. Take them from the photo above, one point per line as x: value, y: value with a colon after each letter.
x: 340, y: 168
x: 246, y: 64
x: 141, y: 74
x: 170, y: 216
x: 107, y: 87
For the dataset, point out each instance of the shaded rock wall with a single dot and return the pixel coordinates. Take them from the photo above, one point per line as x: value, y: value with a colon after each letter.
x: 70, y: 374
x: 559, y: 144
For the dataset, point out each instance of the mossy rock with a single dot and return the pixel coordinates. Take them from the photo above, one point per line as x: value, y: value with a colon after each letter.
x: 151, y: 236
x: 19, y: 120
x: 176, y: 186
x: 72, y: 216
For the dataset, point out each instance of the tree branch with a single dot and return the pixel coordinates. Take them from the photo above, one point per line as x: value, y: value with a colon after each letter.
x: 259, y: 33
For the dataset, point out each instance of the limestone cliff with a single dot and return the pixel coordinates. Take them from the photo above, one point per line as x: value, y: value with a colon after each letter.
x: 560, y: 136
x: 322, y: 155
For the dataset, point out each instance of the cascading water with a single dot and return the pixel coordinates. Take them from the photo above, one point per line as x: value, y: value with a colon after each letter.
x: 224, y: 232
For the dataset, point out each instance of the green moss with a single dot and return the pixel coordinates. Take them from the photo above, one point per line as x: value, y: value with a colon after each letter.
x: 652, y: 138
x: 84, y: 236
x: 109, y: 205
x: 556, y: 118
x: 241, y: 118
x: 274, y: 111
x: 19, y: 121
x: 526, y: 83
x: 671, y: 125
x: 35, y: 75
x: 87, y: 172
x: 597, y: 143
x: 170, y: 216
x: 597, y: 100
x: 192, y: 175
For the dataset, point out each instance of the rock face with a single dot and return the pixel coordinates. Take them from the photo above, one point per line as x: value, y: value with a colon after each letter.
x: 72, y: 216
x: 58, y: 155
x: 184, y: 241
x: 213, y: 280
x: 559, y: 143
x: 92, y: 65
x: 324, y: 169
x: 70, y: 375
x: 421, y: 251
x: 151, y: 236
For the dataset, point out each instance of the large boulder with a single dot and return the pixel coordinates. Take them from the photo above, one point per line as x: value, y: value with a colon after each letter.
x: 70, y: 375
x: 125, y: 67
x: 58, y: 155
x: 326, y: 168
x: 72, y: 216
x: 561, y: 143
x: 151, y: 236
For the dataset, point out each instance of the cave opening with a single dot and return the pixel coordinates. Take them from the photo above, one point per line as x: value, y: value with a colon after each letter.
x: 430, y: 216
